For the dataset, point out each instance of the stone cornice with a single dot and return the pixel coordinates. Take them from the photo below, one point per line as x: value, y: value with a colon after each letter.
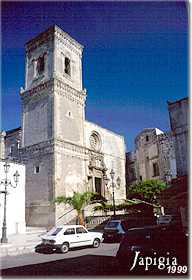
x: 49, y: 35
x: 40, y: 39
x: 70, y: 146
x: 77, y: 148
x: 37, y: 91
x: 42, y: 148
x: 54, y: 86
x: 68, y: 41
x: 65, y: 90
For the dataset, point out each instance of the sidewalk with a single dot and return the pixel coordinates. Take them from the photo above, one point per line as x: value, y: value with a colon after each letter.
x: 22, y: 243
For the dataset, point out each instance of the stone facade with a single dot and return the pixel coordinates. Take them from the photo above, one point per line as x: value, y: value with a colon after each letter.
x: 62, y: 152
x: 2, y: 144
x: 178, y: 113
x: 154, y: 157
x: 12, y: 142
x: 131, y: 174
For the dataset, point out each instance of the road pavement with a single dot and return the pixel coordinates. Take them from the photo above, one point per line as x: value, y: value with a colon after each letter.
x: 106, y: 249
x: 77, y: 262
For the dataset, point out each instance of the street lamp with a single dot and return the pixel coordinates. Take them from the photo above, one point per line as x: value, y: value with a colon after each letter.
x: 112, y: 174
x: 7, y: 183
x: 168, y: 177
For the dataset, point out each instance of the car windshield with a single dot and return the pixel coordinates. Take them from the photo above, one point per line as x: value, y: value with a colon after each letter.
x: 54, y: 231
x: 112, y: 225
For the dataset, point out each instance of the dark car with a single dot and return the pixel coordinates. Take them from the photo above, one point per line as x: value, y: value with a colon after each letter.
x: 153, y: 241
x: 115, y: 229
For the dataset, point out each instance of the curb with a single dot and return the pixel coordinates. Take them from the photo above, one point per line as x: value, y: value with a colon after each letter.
x: 17, y: 250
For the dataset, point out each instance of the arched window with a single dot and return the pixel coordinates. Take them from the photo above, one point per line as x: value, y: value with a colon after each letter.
x: 95, y: 141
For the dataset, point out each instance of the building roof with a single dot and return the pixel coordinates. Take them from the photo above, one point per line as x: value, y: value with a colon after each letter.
x: 147, y: 130
x: 177, y: 101
x: 49, y: 32
x: 11, y: 131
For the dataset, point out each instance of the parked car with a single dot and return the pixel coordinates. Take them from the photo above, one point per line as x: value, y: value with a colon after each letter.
x: 115, y: 229
x: 150, y: 239
x: 169, y: 219
x: 69, y: 236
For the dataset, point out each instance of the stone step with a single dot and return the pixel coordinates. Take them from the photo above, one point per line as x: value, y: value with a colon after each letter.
x: 35, y: 230
x: 18, y: 250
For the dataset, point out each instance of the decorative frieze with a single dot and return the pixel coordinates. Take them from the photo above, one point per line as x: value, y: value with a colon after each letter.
x: 49, y: 35
x: 72, y: 94
x: 54, y: 86
x: 68, y: 41
x: 39, y: 149
x: 40, y: 40
x: 38, y: 91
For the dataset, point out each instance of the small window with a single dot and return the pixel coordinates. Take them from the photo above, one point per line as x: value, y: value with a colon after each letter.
x: 36, y: 169
x: 69, y: 114
x: 147, y: 138
x: 67, y: 66
x: 81, y: 230
x: 69, y: 231
x: 140, y: 177
x: 11, y: 151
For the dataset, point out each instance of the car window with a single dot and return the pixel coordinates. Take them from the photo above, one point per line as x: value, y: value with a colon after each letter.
x: 112, y: 224
x: 54, y: 232
x: 69, y: 231
x: 81, y: 230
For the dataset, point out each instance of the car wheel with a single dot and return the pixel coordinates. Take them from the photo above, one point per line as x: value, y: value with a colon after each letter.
x: 64, y: 248
x: 96, y: 243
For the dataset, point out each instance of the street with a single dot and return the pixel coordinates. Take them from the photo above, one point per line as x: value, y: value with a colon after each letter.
x: 81, y: 262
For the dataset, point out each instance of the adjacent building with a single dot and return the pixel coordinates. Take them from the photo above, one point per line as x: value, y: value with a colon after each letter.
x: 130, y: 167
x: 175, y: 199
x: 62, y: 151
x: 178, y: 113
x: 154, y: 157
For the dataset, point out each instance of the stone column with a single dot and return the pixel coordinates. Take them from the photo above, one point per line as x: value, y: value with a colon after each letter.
x: 2, y: 144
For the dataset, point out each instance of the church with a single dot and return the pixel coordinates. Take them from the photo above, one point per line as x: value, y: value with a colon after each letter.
x: 62, y: 151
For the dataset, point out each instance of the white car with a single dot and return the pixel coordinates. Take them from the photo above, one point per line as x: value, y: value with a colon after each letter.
x: 70, y: 236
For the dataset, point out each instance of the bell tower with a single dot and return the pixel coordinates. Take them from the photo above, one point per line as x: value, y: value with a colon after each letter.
x: 53, y: 99
x: 53, y: 115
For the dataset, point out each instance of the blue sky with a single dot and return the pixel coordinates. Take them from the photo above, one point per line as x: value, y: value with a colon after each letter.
x: 135, y: 58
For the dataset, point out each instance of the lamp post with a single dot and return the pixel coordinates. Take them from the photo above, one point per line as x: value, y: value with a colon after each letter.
x: 168, y: 177
x: 7, y: 183
x: 112, y: 174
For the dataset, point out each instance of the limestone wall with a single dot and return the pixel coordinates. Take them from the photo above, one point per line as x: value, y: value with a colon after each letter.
x: 37, y: 120
x: 39, y: 183
x: 113, y: 148
x: 178, y: 112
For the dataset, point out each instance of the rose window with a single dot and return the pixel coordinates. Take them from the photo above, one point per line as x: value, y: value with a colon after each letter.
x: 95, y: 141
